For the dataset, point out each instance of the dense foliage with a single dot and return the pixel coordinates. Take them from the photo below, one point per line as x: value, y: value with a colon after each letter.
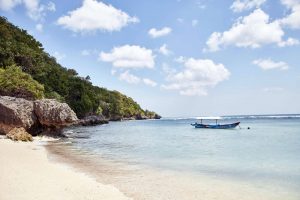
x: 14, y: 82
x: 19, y: 48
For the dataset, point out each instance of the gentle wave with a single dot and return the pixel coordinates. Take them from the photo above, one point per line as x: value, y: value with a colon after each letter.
x: 262, y: 117
x: 289, y: 116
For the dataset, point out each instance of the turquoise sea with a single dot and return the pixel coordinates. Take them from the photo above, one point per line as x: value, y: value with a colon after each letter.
x: 264, y: 159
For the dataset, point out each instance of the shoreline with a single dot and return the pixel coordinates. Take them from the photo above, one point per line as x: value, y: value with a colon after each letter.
x: 27, y: 173
x: 38, y: 171
x: 147, y: 183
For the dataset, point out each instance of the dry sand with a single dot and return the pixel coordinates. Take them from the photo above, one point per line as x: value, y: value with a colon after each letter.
x: 27, y: 174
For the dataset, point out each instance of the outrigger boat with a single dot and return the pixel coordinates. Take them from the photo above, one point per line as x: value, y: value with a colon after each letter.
x: 214, y: 126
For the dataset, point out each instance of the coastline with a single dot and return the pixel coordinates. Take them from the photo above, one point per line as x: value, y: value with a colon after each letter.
x: 37, y: 171
x: 147, y: 183
x: 27, y: 173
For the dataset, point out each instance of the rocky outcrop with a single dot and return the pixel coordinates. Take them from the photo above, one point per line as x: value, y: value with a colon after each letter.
x: 51, y: 113
x: 19, y: 134
x: 92, y: 120
x: 46, y: 115
x: 144, y: 117
x: 16, y: 112
x: 141, y: 117
x: 157, y: 116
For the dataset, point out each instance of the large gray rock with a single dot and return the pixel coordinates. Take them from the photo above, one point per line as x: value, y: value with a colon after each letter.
x: 52, y: 113
x: 15, y: 112
x: 92, y: 120
x: 41, y: 116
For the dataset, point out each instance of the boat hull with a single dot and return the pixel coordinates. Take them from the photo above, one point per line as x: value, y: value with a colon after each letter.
x: 216, y: 126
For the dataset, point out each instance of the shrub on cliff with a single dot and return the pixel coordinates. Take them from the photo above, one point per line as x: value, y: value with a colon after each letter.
x: 14, y: 82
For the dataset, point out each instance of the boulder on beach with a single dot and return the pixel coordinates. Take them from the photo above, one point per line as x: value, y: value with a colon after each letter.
x: 41, y: 116
x: 15, y: 112
x: 52, y: 113
x: 19, y: 134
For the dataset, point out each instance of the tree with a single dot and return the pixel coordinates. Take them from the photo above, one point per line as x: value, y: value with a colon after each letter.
x: 14, y: 82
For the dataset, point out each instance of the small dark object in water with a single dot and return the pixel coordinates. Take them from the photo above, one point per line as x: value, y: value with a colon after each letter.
x: 248, y: 128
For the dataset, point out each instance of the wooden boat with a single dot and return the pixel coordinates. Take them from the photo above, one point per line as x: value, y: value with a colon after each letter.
x: 214, y: 126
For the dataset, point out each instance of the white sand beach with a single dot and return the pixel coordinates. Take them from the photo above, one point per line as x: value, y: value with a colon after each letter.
x: 27, y: 174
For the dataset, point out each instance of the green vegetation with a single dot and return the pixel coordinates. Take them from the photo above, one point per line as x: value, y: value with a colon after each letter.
x: 14, y: 82
x: 19, y: 48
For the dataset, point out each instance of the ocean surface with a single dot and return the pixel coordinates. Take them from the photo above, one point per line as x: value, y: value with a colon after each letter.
x: 265, y: 157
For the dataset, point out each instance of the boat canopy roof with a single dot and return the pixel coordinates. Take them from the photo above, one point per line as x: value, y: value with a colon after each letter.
x: 212, y: 118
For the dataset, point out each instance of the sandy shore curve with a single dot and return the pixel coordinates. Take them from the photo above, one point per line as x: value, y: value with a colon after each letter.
x: 27, y: 174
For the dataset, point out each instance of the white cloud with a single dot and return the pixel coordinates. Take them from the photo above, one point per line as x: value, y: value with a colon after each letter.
x: 289, y: 42
x: 51, y: 6
x: 293, y: 19
x: 133, y: 79
x: 251, y: 31
x: 93, y: 16
x: 180, y: 59
x: 59, y: 56
x: 128, y: 56
x: 267, y: 64
x: 155, y: 33
x: 129, y: 78
x: 164, y: 50
x: 149, y: 82
x: 9, y: 4
x: 37, y: 11
x: 197, y: 77
x: 39, y: 27
x: 242, y: 5
x: 34, y: 9
x: 194, y: 22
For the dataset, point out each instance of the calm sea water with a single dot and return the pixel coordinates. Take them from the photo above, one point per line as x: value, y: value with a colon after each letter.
x: 267, y: 152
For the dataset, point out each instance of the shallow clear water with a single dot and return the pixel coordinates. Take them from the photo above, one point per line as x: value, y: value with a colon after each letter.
x: 268, y: 152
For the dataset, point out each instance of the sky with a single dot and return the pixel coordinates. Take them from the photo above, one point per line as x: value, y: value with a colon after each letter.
x: 176, y: 57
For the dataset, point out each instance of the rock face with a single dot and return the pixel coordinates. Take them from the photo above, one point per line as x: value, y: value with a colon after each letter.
x: 156, y: 116
x: 19, y: 134
x: 54, y: 114
x: 15, y: 112
x: 45, y: 115
x: 141, y: 117
x: 92, y: 120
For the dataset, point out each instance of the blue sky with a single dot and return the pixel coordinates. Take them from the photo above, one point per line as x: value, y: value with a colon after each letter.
x: 176, y: 57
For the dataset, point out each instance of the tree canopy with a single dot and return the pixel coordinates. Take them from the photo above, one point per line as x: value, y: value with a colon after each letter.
x: 14, y: 82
